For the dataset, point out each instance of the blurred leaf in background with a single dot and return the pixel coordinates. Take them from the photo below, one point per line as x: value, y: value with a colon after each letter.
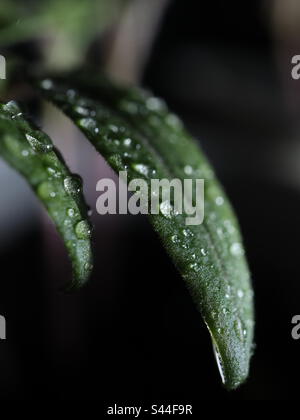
x: 65, y: 26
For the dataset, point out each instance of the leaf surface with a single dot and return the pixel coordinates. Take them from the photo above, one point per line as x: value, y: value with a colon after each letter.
x: 137, y: 133
x: 32, y: 154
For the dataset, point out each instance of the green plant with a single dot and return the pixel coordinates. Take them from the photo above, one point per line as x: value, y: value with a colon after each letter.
x: 31, y: 152
x: 136, y: 132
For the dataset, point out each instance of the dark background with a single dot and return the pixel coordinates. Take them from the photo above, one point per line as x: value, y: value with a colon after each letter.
x: 133, y: 334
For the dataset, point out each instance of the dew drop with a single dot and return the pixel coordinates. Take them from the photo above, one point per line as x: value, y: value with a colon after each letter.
x: 71, y: 212
x: 240, y: 293
x: 219, y: 201
x: 225, y: 311
x: 220, y: 232
x: 195, y: 267
x: 173, y: 121
x: 47, y: 84
x: 12, y: 107
x: 88, y: 266
x: 188, y: 170
x: 53, y: 172
x: 16, y: 115
x: 83, y: 230
x: 187, y: 233
x: 68, y: 223
x: 39, y: 145
x: 141, y: 169
x: 73, y: 184
x: 45, y: 190
x: 87, y: 123
x: 25, y: 153
x: 236, y: 249
x: 203, y: 252
x: 166, y: 209
x: 175, y: 239
x: 127, y: 142
x: 81, y: 110
x: 113, y: 128
x: 154, y: 104
x: 229, y: 226
x: 71, y: 93
x: 115, y: 161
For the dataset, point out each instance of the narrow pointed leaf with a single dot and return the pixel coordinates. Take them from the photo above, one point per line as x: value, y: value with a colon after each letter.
x: 31, y: 153
x: 136, y: 132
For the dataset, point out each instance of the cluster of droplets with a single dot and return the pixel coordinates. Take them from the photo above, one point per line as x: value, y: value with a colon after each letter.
x: 155, y: 110
x: 196, y: 258
x: 97, y: 120
x: 38, y: 142
x: 117, y: 140
x: 73, y: 187
x: 53, y: 173
x: 199, y: 261
x: 227, y: 230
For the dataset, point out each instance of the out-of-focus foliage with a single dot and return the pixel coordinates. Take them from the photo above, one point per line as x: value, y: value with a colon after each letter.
x: 66, y: 26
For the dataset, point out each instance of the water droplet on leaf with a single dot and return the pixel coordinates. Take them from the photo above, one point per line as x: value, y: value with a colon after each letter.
x: 73, y: 184
x: 166, y: 209
x: 47, y: 84
x: 83, y: 230
x: 188, y: 170
x: 236, y: 249
x: 39, y: 144
x: 141, y: 169
x: 219, y: 201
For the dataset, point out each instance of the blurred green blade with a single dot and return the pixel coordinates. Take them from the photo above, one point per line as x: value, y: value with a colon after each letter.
x: 136, y: 132
x: 31, y: 153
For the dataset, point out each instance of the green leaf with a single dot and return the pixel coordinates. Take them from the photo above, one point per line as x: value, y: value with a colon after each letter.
x: 31, y: 153
x: 136, y: 132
